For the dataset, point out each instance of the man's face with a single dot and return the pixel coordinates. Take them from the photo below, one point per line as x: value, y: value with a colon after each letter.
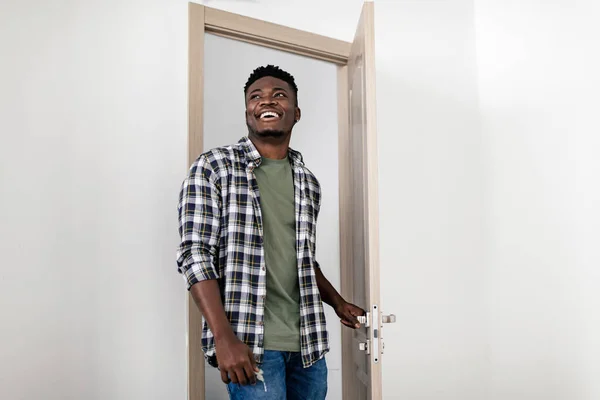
x: 271, y: 107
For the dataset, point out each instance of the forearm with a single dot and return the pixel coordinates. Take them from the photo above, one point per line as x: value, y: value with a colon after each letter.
x: 328, y: 293
x: 207, y: 296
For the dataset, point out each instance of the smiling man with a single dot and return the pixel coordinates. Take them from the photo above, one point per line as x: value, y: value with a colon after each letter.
x: 248, y: 216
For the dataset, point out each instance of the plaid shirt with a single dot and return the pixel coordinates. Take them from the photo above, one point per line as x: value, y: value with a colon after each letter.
x: 222, y: 238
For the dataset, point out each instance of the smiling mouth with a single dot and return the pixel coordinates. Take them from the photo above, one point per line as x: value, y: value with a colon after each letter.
x: 269, y: 115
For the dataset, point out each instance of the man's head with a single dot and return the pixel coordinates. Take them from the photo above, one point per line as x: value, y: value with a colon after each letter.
x: 271, y: 102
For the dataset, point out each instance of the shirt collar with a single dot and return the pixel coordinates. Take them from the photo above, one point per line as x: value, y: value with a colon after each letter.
x: 253, y: 156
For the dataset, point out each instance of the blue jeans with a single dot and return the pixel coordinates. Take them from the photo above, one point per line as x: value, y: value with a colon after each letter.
x: 285, y: 378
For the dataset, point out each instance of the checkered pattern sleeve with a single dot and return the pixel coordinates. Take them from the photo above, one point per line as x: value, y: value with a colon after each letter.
x: 199, y: 223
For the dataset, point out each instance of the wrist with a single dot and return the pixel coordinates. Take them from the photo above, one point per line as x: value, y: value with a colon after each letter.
x: 224, y: 335
x: 337, y: 302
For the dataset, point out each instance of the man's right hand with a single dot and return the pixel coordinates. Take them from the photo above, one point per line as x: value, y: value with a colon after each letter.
x: 236, y: 361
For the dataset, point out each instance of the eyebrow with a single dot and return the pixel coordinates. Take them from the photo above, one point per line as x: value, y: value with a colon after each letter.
x: 274, y: 89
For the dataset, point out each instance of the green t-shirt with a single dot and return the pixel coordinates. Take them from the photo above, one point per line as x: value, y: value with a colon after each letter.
x: 282, y: 304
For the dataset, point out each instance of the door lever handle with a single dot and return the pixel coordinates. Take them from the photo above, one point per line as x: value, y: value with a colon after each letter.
x: 364, y: 320
x: 388, y: 319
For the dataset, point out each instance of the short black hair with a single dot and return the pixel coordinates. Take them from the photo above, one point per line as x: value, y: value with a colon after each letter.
x: 275, y: 72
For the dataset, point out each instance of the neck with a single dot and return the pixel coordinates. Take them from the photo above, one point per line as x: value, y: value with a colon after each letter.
x: 275, y: 148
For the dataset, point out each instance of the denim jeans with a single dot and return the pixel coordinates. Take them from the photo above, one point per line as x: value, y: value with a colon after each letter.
x: 285, y: 378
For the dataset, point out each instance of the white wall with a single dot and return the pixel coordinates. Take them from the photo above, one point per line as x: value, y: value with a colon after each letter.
x: 92, y: 153
x: 228, y: 64
x: 430, y: 200
x: 539, y: 84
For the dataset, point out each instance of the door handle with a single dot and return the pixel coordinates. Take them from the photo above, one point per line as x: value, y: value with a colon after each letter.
x: 364, y: 320
x: 388, y: 319
x: 385, y: 319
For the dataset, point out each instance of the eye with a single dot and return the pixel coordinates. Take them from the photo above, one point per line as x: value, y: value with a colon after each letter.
x: 255, y: 96
x: 280, y: 94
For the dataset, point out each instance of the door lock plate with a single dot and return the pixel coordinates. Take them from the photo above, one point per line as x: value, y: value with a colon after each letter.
x: 372, y: 320
x: 375, y: 333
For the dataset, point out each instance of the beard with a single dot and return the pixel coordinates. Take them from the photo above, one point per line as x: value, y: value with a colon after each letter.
x: 267, y: 133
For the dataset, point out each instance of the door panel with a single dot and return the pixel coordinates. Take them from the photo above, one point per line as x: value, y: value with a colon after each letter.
x: 358, y: 223
x: 362, y: 368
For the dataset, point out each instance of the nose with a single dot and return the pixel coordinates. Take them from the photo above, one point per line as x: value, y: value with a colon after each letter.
x: 268, y: 100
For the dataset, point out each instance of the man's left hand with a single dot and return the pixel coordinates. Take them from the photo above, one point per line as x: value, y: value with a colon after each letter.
x: 348, y: 313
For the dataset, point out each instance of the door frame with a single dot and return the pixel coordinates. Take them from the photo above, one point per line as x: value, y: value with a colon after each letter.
x: 203, y: 20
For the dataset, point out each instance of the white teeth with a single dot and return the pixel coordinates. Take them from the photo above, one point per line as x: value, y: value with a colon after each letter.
x: 269, y: 114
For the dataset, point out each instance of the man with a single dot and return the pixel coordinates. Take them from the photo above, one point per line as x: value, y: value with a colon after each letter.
x: 248, y: 215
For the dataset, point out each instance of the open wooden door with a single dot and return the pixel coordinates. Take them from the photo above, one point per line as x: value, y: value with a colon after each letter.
x: 359, y: 214
x: 359, y: 223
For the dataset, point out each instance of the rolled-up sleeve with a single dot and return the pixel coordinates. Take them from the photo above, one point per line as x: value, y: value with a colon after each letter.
x: 199, y: 224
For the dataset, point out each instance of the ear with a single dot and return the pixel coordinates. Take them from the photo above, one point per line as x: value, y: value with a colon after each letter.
x: 297, y: 114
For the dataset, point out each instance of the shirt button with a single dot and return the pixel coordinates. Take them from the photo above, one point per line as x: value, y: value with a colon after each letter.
x: 264, y: 269
x: 260, y: 323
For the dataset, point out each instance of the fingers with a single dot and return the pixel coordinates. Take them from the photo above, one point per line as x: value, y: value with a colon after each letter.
x: 348, y: 324
x: 233, y: 377
x: 241, y: 376
x: 250, y: 374
x: 355, y: 310
x: 252, y: 360
x: 250, y: 367
x: 351, y: 319
x: 236, y: 363
x: 348, y: 313
x: 224, y: 377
